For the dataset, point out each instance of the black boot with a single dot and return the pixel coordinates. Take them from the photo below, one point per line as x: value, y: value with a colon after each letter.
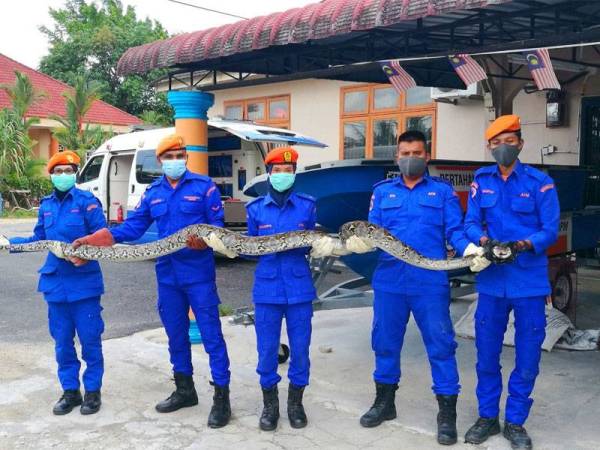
x: 220, y: 413
x: 91, y: 403
x: 270, y: 413
x: 295, y: 409
x: 518, y: 437
x: 69, y: 400
x: 183, y: 396
x: 446, y: 419
x: 383, y: 408
x: 482, y: 430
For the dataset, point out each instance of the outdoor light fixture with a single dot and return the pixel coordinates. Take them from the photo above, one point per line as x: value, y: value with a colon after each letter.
x: 555, y: 108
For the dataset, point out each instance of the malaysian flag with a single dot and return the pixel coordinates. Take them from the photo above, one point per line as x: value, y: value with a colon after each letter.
x: 467, y: 69
x: 541, y: 69
x: 399, y: 78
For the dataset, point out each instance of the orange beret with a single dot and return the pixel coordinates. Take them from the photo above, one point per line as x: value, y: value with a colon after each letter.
x: 510, y: 122
x: 171, y: 142
x: 61, y: 158
x: 282, y: 155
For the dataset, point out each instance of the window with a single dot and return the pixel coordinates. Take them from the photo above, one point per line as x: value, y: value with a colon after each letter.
x: 220, y: 166
x: 147, y: 168
x: 271, y: 111
x: 355, y: 138
x: 234, y: 112
x: 91, y: 170
x: 373, y: 115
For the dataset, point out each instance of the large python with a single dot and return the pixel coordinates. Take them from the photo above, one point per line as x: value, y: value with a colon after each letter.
x: 245, y: 245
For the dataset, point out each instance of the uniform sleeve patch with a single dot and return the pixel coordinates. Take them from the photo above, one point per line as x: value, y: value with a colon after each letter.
x: 547, y: 187
x: 372, y: 200
x: 216, y: 207
x: 211, y: 189
x: 474, y: 187
x: 92, y: 206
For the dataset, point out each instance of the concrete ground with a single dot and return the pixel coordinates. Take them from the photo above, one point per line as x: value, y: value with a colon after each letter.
x: 137, y: 376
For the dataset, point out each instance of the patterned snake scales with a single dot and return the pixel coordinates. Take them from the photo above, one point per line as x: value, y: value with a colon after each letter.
x: 246, y: 245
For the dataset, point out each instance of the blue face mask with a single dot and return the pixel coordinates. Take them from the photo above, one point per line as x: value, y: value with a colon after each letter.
x: 282, y: 181
x: 174, y: 168
x: 63, y: 182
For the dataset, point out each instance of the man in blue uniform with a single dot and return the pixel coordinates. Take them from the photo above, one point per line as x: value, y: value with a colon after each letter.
x: 282, y: 287
x: 514, y: 202
x: 185, y: 278
x: 424, y: 212
x: 72, y: 288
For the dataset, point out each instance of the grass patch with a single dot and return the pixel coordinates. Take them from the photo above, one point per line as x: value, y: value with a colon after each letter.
x: 225, y: 310
x: 19, y: 214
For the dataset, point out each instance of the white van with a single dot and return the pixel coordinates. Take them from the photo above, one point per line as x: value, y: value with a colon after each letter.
x: 119, y: 171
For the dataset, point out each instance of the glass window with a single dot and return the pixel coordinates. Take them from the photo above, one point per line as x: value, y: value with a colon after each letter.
x: 356, y: 101
x: 147, y: 168
x: 418, y: 96
x: 279, y: 109
x: 385, y: 98
x: 92, y: 170
x: 354, y: 140
x: 422, y: 124
x: 384, y: 138
x: 220, y: 166
x: 234, y: 112
x: 256, y: 111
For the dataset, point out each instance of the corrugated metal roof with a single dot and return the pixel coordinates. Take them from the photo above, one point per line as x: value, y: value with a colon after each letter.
x: 326, y: 19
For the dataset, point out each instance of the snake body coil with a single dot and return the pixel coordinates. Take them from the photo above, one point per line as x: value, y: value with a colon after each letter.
x: 246, y: 245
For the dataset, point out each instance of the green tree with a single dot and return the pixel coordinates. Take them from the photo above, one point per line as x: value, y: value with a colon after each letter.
x: 23, y: 96
x: 78, y: 101
x: 89, y: 38
x: 15, y: 144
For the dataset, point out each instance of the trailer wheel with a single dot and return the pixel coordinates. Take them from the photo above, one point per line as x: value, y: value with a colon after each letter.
x: 562, y: 291
x: 283, y: 354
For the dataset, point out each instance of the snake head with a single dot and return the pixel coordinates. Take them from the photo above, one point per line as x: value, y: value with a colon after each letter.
x: 500, y: 252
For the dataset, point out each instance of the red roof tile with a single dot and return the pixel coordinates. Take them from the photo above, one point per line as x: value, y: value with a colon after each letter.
x: 100, y: 112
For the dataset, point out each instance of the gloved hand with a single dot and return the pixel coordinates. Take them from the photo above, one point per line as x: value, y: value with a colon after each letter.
x: 499, y: 252
x: 196, y: 243
x: 214, y: 242
x: 479, y: 263
x: 78, y: 262
x: 358, y: 245
x: 101, y: 238
x: 4, y: 244
x: 322, y: 247
x: 473, y: 250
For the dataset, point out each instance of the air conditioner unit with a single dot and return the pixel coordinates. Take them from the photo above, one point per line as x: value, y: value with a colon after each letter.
x: 473, y: 91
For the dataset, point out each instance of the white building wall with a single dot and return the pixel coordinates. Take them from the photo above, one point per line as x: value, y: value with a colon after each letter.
x: 314, y: 111
x: 460, y: 131
x: 460, y: 128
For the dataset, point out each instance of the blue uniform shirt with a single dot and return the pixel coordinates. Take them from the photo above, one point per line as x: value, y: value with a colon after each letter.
x: 425, y: 218
x: 194, y: 200
x: 282, y: 277
x: 525, y: 206
x: 77, y: 215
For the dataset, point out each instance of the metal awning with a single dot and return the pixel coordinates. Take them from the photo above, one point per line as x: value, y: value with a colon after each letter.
x: 328, y: 39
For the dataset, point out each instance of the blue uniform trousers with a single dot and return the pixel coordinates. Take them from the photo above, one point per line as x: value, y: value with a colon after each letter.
x: 491, y: 319
x: 432, y: 315
x: 268, y: 318
x: 174, y: 303
x: 84, y: 318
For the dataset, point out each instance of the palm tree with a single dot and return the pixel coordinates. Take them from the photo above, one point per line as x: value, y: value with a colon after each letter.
x: 23, y: 96
x: 73, y: 134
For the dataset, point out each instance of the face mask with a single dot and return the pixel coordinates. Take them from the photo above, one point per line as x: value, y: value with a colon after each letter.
x: 282, y: 181
x: 412, y: 166
x: 63, y: 182
x: 174, y: 168
x: 505, y: 154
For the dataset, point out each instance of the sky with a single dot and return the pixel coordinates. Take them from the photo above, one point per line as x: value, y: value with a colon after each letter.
x: 21, y: 39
